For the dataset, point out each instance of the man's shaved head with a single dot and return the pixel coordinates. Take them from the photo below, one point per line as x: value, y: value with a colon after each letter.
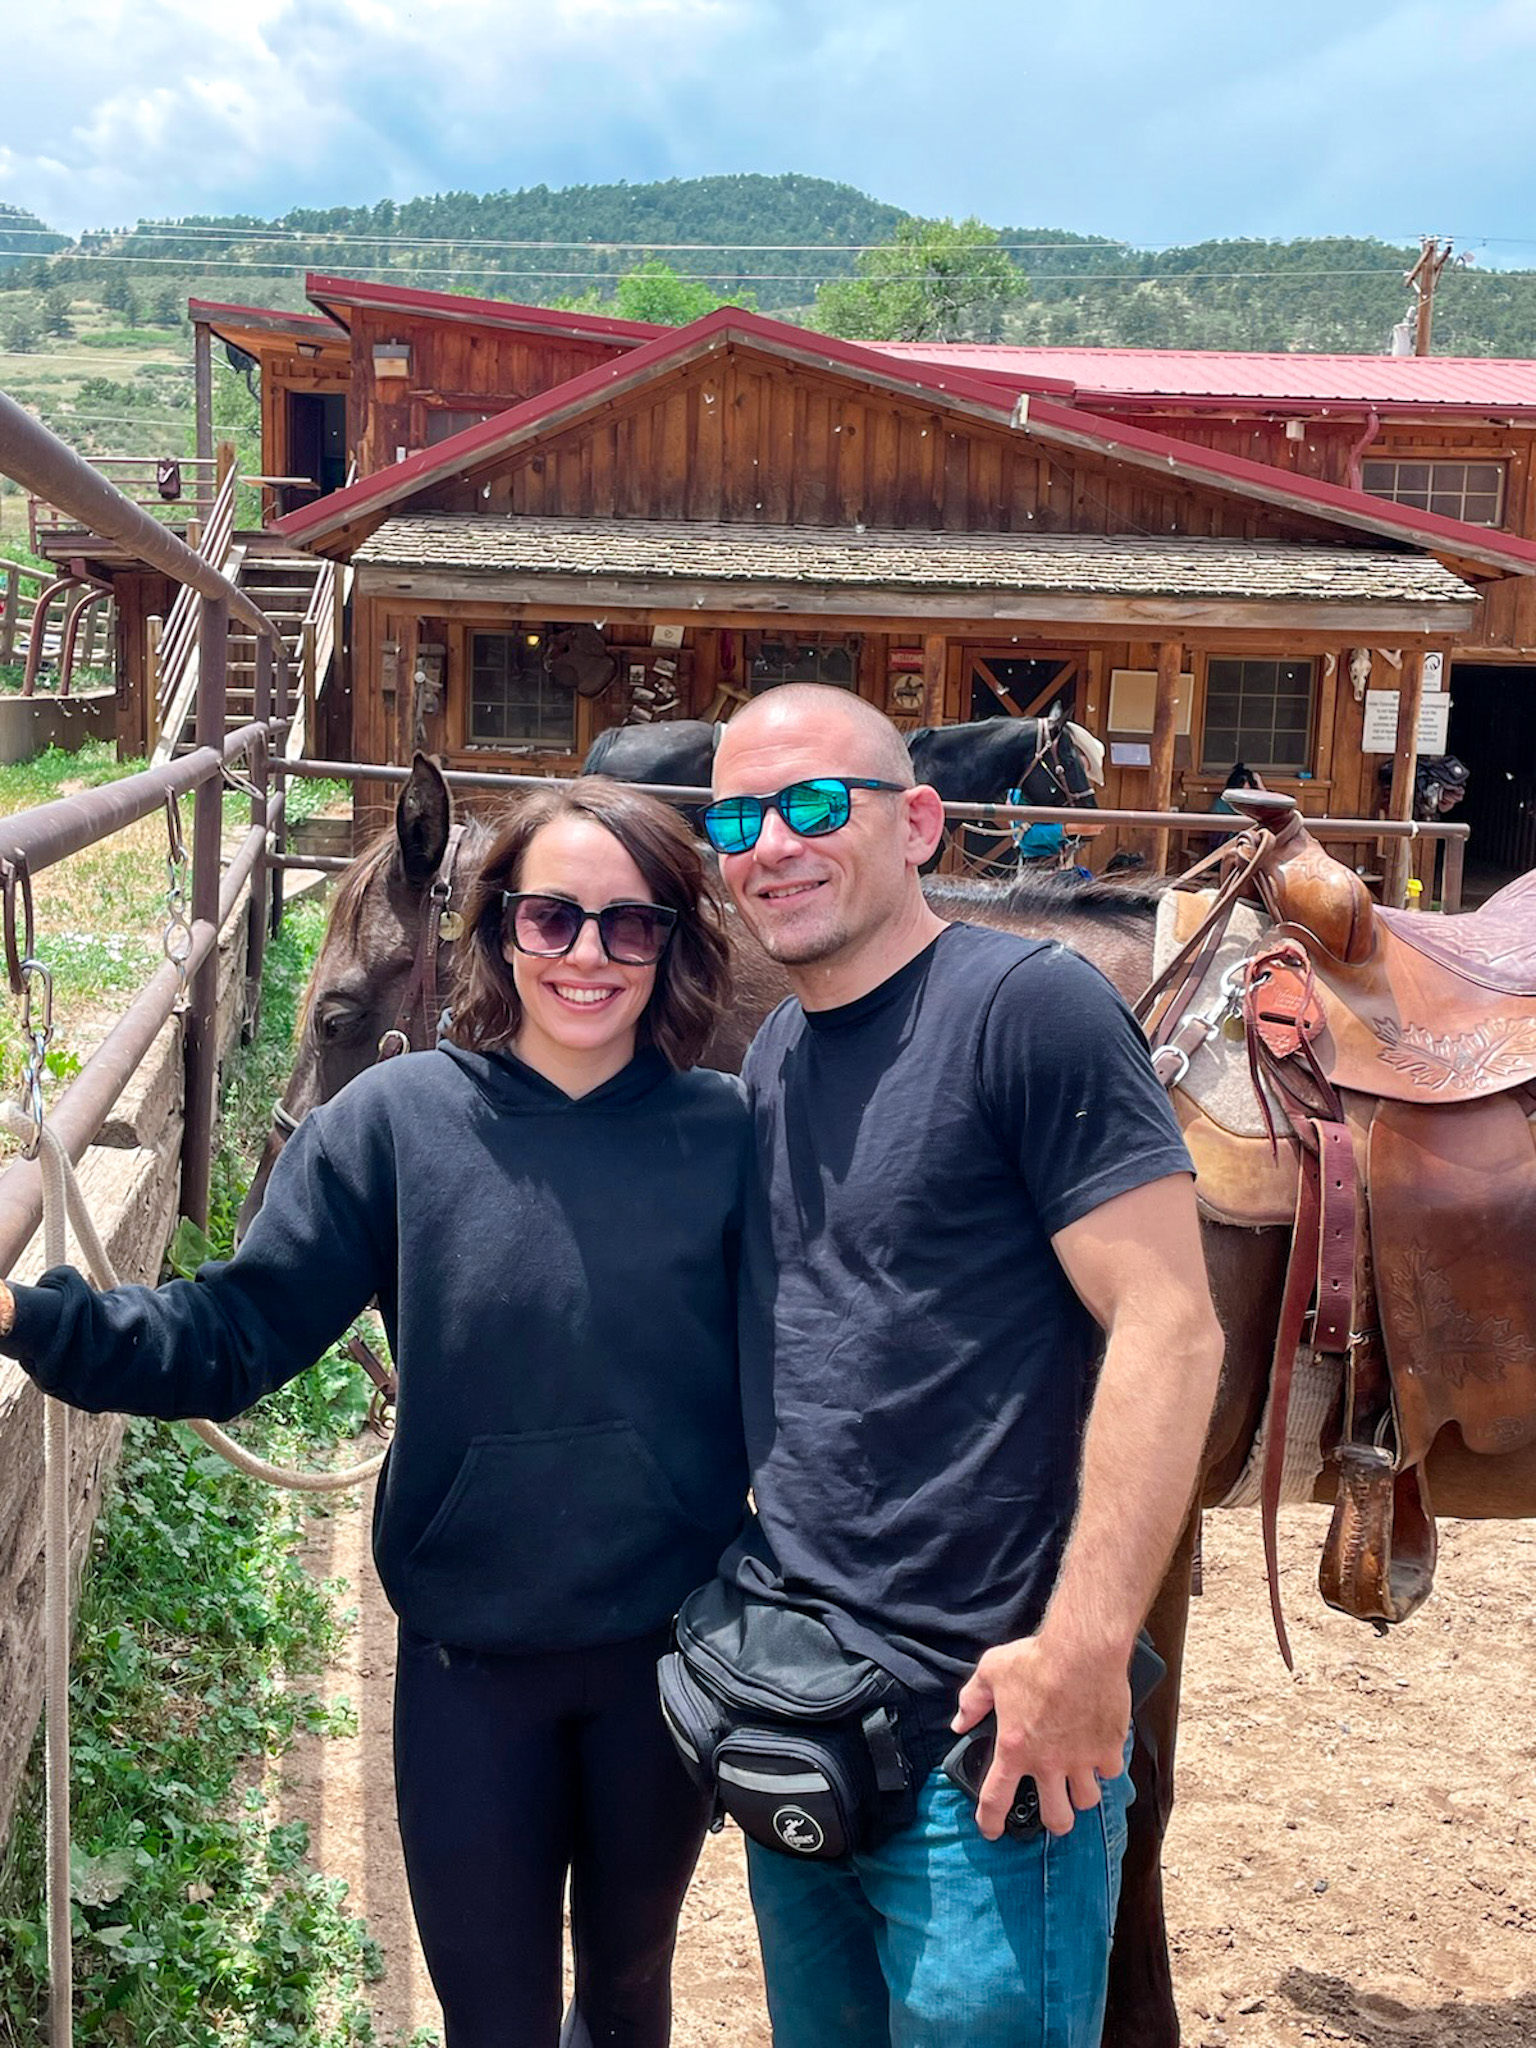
x: 871, y: 743
x: 843, y: 909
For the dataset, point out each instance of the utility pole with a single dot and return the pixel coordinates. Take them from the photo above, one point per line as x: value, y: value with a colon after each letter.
x: 1421, y: 281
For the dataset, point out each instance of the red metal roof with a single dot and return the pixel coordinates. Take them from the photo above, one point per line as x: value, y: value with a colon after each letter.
x: 340, y: 292
x: 1041, y: 416
x: 1212, y: 377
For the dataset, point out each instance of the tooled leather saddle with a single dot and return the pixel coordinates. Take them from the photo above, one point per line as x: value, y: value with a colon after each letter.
x: 1392, y: 1062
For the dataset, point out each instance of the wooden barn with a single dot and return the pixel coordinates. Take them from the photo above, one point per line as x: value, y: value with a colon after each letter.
x: 739, y: 503
x: 1206, y: 558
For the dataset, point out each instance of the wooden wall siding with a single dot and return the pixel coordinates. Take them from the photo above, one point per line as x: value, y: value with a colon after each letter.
x: 1506, y: 623
x: 454, y: 365
x: 734, y: 439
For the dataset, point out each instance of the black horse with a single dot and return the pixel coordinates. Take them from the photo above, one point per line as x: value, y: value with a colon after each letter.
x: 982, y: 762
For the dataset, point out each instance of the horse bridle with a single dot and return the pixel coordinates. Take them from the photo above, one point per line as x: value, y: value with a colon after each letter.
x: 1047, y: 754
x: 415, y: 1028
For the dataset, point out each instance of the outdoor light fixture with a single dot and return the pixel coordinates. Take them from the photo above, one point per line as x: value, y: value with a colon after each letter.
x: 391, y: 359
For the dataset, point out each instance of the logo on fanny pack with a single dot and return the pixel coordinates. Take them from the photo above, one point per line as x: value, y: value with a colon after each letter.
x: 796, y: 1830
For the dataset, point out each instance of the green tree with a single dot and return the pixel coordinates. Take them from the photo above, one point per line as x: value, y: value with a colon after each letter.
x: 117, y: 292
x: 654, y: 291
x: 56, y: 318
x: 939, y: 280
x: 22, y: 334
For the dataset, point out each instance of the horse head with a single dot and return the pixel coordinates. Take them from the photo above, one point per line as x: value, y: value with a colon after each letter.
x: 369, y: 993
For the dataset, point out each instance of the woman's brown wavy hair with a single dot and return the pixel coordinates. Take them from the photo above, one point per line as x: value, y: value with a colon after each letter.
x: 693, y: 976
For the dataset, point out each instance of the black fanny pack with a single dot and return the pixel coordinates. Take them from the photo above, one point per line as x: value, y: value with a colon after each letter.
x: 796, y: 1738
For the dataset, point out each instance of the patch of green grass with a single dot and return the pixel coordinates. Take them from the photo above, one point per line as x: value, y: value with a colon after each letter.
x: 197, y: 1922
x: 38, y: 781
x: 309, y: 796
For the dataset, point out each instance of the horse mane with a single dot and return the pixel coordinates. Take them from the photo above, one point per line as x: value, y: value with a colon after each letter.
x: 1053, y: 896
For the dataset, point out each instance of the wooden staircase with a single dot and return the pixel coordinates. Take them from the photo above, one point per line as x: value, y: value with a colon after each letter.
x: 286, y: 587
x: 302, y: 595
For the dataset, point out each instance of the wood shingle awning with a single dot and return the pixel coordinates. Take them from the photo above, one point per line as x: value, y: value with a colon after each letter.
x: 689, y: 566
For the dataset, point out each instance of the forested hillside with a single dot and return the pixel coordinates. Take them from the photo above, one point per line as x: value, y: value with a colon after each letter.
x: 772, y: 240
x: 93, y: 332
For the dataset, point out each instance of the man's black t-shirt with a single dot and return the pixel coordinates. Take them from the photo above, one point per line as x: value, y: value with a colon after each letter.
x: 917, y: 1370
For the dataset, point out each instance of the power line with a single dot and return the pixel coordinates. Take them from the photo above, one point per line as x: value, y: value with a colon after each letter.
x: 733, y: 276
x: 392, y: 239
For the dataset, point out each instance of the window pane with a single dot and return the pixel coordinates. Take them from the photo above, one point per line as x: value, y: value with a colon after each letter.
x: 1260, y: 713
x: 512, y: 700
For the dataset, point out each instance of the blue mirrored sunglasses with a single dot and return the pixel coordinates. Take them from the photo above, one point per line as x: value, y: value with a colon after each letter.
x: 810, y: 809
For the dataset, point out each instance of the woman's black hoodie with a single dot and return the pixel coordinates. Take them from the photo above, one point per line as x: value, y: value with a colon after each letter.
x: 557, y: 1278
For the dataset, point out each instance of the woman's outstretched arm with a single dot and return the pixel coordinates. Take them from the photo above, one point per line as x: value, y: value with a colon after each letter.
x: 318, y: 1252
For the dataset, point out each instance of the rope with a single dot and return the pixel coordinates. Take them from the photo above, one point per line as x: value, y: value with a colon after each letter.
x: 62, y: 1194
x: 63, y: 1197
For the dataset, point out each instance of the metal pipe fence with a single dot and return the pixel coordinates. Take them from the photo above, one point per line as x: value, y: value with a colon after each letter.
x: 34, y: 840
x: 999, y: 816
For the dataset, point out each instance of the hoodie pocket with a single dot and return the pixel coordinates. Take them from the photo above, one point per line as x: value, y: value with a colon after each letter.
x: 553, y: 1539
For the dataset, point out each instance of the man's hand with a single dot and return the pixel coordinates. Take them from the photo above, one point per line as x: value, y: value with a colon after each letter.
x: 1062, y: 1718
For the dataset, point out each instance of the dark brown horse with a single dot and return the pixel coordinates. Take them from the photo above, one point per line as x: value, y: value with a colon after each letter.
x: 355, y: 998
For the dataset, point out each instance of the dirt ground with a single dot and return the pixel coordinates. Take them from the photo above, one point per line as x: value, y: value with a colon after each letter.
x: 1351, y: 1858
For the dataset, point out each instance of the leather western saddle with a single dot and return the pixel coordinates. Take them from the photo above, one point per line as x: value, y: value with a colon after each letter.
x: 1392, y: 1056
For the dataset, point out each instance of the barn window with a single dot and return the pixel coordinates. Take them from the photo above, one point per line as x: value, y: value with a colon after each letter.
x: 445, y: 421
x: 1473, y: 491
x: 803, y: 658
x: 1258, y: 712
x: 512, y: 702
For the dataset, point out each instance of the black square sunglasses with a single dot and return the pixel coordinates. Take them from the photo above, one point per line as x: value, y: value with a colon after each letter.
x: 632, y: 934
x: 810, y: 809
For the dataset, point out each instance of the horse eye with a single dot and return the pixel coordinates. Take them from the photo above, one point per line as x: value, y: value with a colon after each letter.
x: 337, y: 1022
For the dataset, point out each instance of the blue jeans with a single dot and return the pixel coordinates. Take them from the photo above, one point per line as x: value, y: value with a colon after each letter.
x: 939, y: 1938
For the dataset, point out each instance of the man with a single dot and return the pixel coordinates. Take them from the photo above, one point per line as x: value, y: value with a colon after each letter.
x: 971, y: 1186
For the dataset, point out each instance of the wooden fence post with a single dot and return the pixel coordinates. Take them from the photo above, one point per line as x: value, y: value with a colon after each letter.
x: 1170, y: 666
x: 1405, y: 764
x: 202, y: 1041
x: 154, y: 632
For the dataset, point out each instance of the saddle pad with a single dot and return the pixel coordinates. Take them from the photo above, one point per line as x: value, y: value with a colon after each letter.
x: 1495, y: 947
x: 1240, y: 1177
x: 1218, y: 1082
x: 1452, y: 1195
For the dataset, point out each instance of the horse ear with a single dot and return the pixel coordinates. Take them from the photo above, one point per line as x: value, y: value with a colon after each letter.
x: 423, y: 819
x: 1053, y: 718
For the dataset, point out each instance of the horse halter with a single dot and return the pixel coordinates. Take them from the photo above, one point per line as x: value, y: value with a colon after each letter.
x: 415, y: 1027
x: 440, y: 925
x: 1048, y: 760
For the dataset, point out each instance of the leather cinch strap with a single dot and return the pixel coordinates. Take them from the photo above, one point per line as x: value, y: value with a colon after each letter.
x: 1320, y: 1270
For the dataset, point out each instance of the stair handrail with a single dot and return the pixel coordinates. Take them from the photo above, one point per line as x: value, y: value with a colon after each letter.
x: 320, y: 638
x: 175, y: 687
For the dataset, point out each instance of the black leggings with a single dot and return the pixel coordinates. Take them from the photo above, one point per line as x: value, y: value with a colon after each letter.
x: 511, y: 1772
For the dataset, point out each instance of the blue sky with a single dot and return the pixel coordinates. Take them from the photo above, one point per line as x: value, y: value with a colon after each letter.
x: 1156, y: 121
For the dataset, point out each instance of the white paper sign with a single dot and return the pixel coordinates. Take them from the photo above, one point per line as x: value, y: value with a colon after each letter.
x: 1434, y: 723
x: 1130, y: 753
x: 1380, y: 735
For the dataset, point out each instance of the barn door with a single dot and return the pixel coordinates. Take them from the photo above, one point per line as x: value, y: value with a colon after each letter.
x: 1007, y: 686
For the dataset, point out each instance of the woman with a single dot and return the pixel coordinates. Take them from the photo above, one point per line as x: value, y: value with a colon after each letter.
x: 547, y: 1210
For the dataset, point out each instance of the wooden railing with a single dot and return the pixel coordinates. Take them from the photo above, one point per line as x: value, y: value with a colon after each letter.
x: 320, y: 641
x: 173, y: 645
x: 182, y: 500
